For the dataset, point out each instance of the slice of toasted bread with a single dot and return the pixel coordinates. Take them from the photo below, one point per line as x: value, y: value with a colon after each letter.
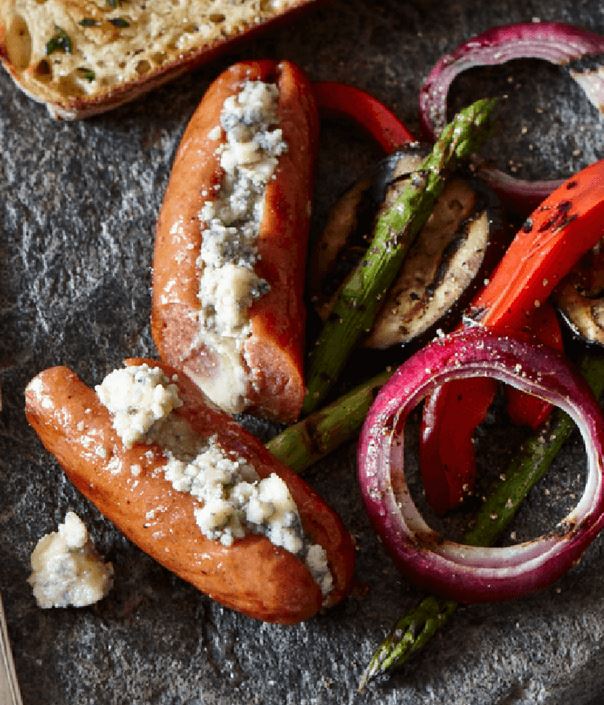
x: 83, y: 57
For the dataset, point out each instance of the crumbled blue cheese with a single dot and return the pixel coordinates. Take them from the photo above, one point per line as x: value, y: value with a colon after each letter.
x: 236, y: 501
x: 67, y: 570
x: 316, y: 562
x: 228, y: 283
x: 137, y: 397
x: 233, y: 499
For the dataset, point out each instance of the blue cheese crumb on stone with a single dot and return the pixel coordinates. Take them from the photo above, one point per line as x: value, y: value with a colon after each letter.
x: 233, y: 499
x: 66, y: 569
x: 231, y: 221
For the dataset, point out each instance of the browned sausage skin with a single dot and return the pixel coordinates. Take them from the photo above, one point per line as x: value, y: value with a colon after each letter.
x: 252, y: 575
x: 271, y: 355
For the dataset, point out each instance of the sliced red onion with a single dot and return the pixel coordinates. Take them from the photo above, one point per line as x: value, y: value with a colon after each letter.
x: 579, y: 50
x: 456, y: 571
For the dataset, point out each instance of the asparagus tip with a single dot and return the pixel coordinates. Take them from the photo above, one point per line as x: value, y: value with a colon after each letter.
x: 375, y: 666
x: 368, y: 674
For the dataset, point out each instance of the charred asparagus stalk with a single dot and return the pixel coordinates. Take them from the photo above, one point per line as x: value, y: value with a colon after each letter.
x: 414, y: 629
x: 302, y: 444
x: 396, y: 227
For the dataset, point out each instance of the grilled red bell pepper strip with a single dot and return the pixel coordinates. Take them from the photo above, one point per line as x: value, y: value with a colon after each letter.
x: 523, y: 409
x: 341, y: 100
x: 446, y: 451
x: 565, y: 226
x: 447, y: 458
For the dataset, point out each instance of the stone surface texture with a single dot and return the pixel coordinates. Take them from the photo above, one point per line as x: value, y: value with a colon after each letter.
x: 78, y: 203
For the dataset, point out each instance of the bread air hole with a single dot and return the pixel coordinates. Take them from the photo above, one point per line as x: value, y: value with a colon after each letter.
x: 158, y: 58
x: 18, y: 43
x: 217, y: 18
x: 70, y: 84
x: 43, y: 71
x: 143, y: 67
x: 271, y: 5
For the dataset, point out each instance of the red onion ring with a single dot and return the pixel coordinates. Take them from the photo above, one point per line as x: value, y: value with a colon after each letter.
x: 555, y: 42
x: 456, y: 571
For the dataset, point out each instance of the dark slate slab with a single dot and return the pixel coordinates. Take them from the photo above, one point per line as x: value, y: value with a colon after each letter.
x: 77, y: 209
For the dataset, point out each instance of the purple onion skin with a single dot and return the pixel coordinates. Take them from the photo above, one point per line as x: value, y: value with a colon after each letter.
x: 555, y: 42
x: 518, y: 195
x: 467, y: 573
